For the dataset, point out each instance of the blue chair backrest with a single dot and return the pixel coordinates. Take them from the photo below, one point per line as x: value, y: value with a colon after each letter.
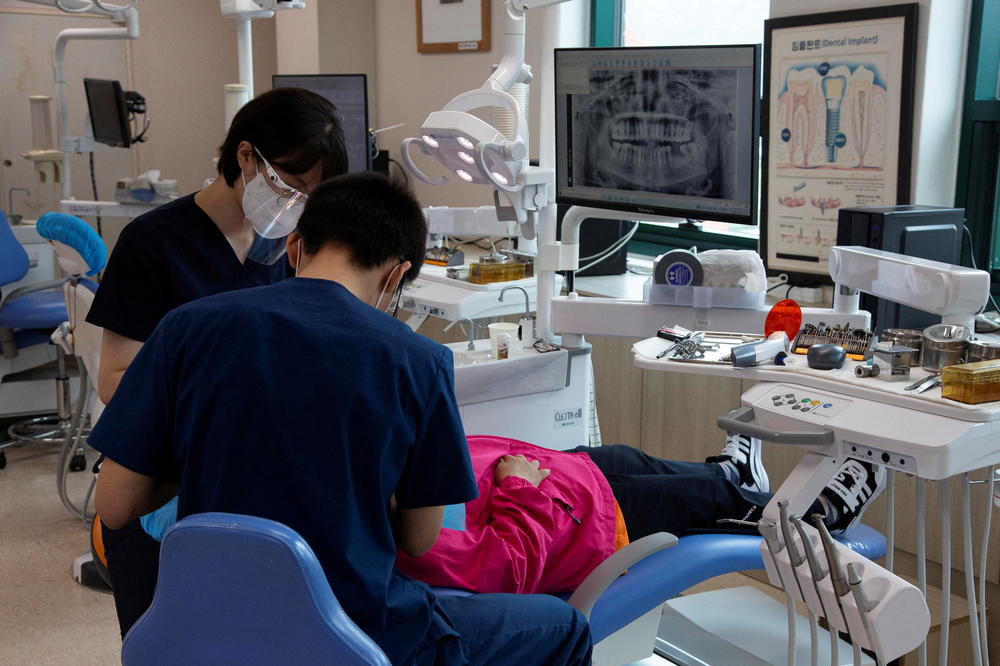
x: 13, y: 258
x: 237, y: 589
x: 78, y: 235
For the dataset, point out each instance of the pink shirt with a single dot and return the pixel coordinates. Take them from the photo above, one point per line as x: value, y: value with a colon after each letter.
x: 520, y: 538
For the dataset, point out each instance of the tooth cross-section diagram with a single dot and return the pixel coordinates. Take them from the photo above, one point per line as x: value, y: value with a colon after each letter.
x: 830, y: 115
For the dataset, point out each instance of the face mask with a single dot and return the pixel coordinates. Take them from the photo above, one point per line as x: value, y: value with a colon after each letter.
x: 271, y: 215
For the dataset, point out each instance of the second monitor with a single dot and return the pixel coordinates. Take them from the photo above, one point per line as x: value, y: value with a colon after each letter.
x: 666, y: 130
x: 347, y: 92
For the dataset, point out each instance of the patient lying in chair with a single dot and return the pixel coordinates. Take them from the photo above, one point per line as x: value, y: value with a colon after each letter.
x: 545, y: 519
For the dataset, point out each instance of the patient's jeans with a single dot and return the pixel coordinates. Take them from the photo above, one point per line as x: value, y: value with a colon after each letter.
x: 502, y: 629
x: 672, y: 496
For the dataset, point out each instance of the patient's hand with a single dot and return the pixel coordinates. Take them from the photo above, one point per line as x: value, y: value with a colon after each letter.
x: 520, y: 467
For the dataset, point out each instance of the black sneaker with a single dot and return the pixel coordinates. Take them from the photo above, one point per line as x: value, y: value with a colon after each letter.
x: 855, y: 486
x: 744, y: 453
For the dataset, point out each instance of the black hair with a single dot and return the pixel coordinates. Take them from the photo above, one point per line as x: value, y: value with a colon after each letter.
x: 375, y: 218
x: 293, y: 128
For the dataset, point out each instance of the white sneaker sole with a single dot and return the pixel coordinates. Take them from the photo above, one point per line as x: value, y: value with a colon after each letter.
x: 757, y: 470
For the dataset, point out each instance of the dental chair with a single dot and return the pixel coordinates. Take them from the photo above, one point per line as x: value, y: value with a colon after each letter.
x: 237, y: 589
x: 30, y: 314
x: 212, y: 592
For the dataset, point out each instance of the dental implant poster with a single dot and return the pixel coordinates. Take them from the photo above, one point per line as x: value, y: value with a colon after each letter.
x: 838, y: 108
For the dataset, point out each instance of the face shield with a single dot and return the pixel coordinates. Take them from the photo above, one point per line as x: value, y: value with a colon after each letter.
x: 272, y: 208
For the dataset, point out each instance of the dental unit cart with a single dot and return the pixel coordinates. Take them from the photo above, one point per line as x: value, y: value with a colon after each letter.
x: 835, y: 415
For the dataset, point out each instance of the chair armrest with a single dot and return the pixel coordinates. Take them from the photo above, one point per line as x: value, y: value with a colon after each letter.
x: 31, y: 288
x: 594, y: 585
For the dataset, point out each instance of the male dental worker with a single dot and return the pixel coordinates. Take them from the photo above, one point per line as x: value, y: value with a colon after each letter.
x: 305, y: 403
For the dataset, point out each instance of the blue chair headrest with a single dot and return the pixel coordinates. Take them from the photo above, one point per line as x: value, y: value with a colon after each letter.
x: 14, y: 262
x: 77, y: 234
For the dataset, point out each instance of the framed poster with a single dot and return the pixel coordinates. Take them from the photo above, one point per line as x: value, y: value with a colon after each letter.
x: 837, y: 124
x: 447, y: 26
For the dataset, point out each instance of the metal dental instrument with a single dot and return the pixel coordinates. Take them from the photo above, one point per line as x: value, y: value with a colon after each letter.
x: 814, y: 566
x: 769, y: 530
x: 840, y: 587
x: 924, y: 383
x: 927, y: 386
x: 794, y: 556
x: 817, y: 575
x: 864, y: 605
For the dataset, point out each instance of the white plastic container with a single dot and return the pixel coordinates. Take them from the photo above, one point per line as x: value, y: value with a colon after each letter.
x: 701, y: 297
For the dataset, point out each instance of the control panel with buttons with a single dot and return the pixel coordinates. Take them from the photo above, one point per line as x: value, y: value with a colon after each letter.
x: 801, y: 401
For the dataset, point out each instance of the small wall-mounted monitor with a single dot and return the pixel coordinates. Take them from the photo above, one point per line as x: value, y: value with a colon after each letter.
x: 347, y: 92
x: 108, y: 114
x: 664, y: 130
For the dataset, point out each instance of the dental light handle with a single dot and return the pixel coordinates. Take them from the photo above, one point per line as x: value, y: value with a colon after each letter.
x: 404, y: 154
x: 742, y: 421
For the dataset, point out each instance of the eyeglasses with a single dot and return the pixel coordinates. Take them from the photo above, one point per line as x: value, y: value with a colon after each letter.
x: 278, y: 186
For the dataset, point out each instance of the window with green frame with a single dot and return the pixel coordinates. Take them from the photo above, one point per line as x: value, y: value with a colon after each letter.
x: 978, y: 180
x: 609, y: 26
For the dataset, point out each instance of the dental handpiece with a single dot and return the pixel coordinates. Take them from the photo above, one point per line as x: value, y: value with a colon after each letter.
x: 786, y: 531
x: 860, y: 598
x: 769, y: 530
x: 861, y: 601
x: 814, y: 566
x: 840, y: 586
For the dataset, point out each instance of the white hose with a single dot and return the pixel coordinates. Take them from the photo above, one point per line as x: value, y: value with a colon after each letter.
x: 834, y: 646
x: 945, y: 572
x: 982, y: 568
x: 790, y: 607
x: 73, y: 435
x: 890, y: 519
x: 813, y: 639
x: 922, y: 555
x: 970, y: 576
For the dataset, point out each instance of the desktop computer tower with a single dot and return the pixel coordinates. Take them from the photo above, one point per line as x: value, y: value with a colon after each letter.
x: 927, y: 232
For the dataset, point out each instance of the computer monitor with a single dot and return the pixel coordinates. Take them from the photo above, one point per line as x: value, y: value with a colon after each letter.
x: 664, y: 130
x: 108, y: 115
x: 347, y: 92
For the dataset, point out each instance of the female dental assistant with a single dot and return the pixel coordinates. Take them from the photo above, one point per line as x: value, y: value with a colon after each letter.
x: 230, y: 235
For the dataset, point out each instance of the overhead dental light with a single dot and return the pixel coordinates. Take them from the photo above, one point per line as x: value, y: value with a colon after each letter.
x: 479, y: 153
x: 470, y: 147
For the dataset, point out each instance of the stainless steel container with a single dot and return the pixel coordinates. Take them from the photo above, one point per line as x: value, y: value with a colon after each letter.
x: 944, y: 344
x: 980, y: 350
x: 905, y: 337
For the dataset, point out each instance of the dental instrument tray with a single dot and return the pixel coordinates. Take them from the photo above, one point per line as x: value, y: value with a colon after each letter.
x: 708, y: 347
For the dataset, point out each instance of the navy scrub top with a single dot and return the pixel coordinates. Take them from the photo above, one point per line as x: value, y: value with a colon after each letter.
x: 165, y: 258
x: 299, y: 403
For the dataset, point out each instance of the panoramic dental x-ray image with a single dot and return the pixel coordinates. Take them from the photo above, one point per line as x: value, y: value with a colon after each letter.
x: 668, y: 131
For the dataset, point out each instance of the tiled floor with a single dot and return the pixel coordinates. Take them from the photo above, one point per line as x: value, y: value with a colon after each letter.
x: 45, y: 616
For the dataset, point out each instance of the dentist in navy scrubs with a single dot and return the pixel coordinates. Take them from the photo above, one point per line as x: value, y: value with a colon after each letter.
x: 230, y: 235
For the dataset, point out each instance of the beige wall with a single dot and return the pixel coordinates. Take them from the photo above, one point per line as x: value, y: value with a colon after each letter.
x: 185, y: 54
